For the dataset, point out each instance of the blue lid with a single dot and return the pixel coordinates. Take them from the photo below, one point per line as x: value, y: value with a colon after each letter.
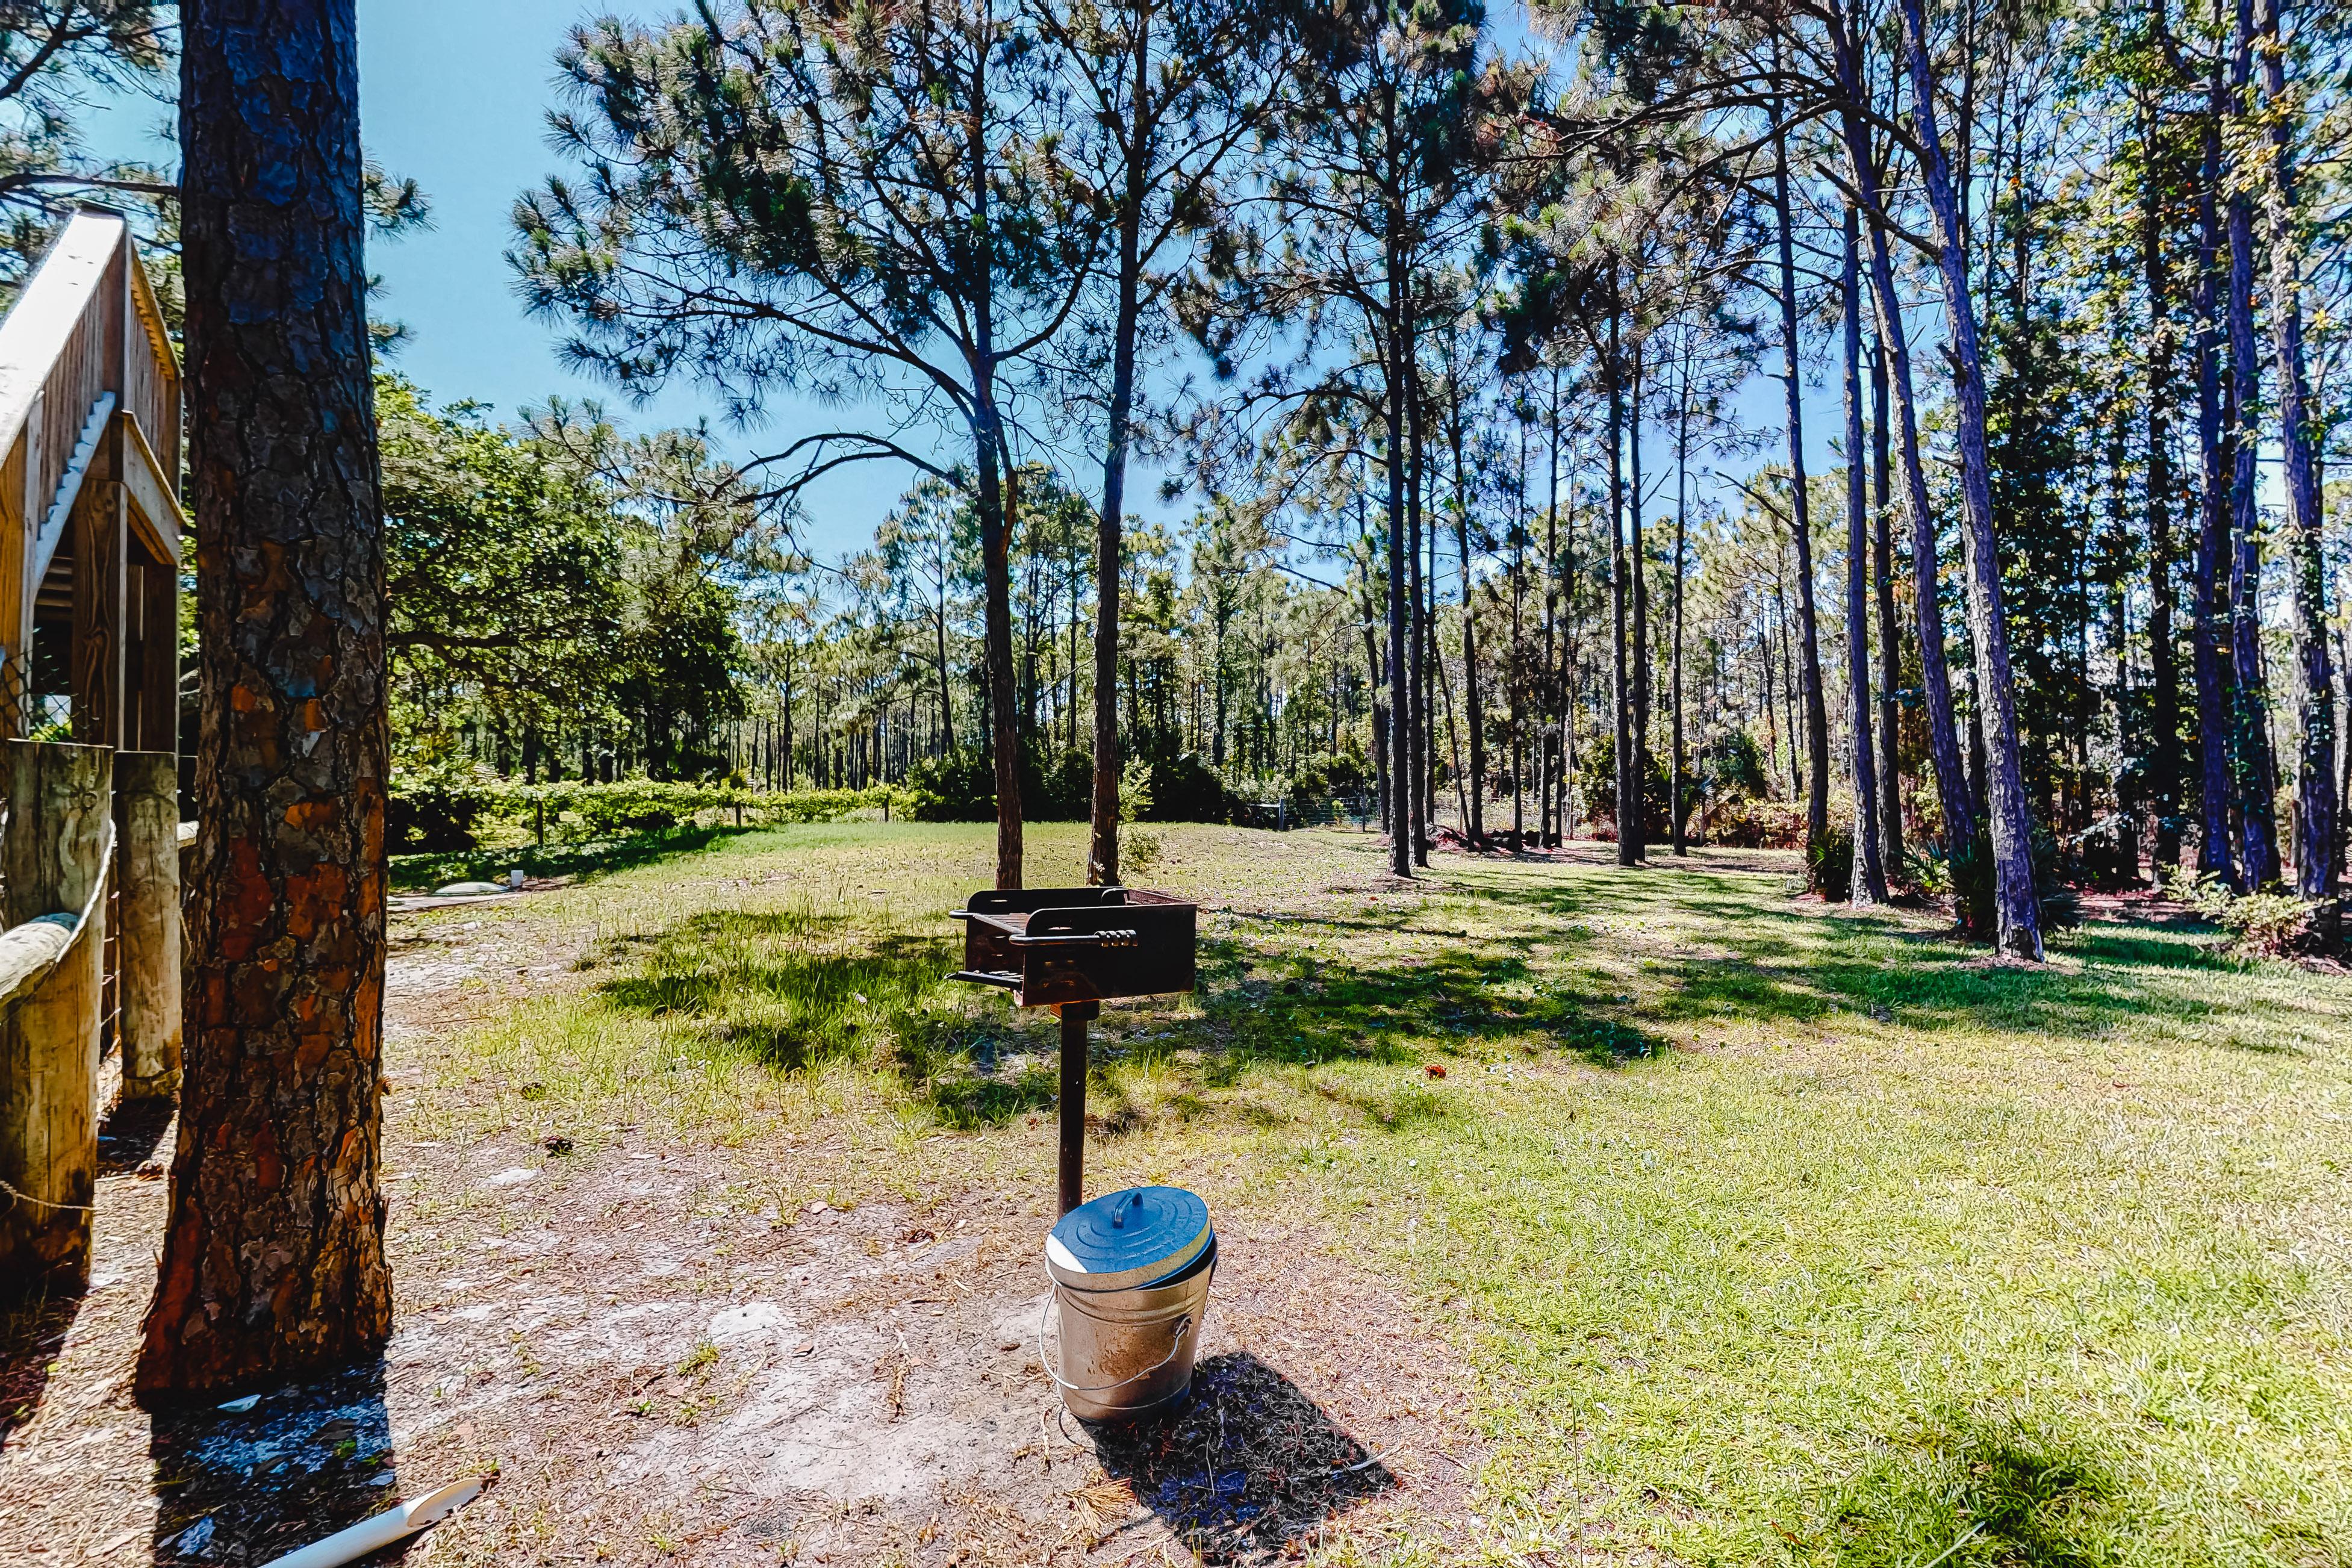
x: 1130, y: 1237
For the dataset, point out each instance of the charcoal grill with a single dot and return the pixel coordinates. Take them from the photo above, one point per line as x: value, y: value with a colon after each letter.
x: 1073, y: 948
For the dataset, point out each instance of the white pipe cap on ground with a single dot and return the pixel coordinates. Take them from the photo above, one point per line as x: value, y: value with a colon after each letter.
x: 375, y: 1534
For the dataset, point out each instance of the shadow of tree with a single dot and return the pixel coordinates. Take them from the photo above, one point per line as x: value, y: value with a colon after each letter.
x: 32, y: 1327
x: 1476, y: 993
x: 1972, y: 1490
x: 1775, y: 962
x: 793, y: 988
x: 1246, y: 1468
x: 132, y: 1133
x: 251, y: 1486
x: 584, y: 861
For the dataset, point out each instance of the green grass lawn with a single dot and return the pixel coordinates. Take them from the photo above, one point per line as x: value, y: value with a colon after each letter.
x: 1786, y: 1235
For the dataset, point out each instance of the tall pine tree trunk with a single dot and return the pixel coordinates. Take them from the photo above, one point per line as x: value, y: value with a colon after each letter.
x: 2253, y: 765
x: 2164, y: 746
x: 2315, y: 799
x: 1945, y: 763
x: 2215, y: 854
x: 999, y: 483
x: 273, y: 1263
x: 1416, y: 590
x: 1472, y: 707
x: 1102, y: 855
x: 1628, y: 789
x: 1817, y: 712
x: 2016, y: 906
x: 1869, y: 870
x: 1555, y: 784
x: 1890, y: 642
x: 1638, y: 564
x: 996, y: 568
x: 1400, y: 747
x: 1682, y: 544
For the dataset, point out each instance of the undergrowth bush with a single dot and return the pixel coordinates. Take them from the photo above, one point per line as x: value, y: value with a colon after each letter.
x: 1750, y: 824
x: 2270, y: 923
x: 447, y: 810
x: 1138, y: 847
x: 433, y: 811
x: 1829, y: 864
x: 1969, y: 878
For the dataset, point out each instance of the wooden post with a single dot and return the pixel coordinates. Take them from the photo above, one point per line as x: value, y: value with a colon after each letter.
x: 147, y: 786
x: 101, y: 524
x: 52, y: 852
x: 1075, y: 1017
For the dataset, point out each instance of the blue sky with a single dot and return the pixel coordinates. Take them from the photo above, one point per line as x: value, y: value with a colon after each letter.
x: 455, y: 95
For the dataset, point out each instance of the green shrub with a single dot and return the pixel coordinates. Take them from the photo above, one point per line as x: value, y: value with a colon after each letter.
x: 957, y: 787
x: 2106, y: 853
x: 433, y: 811
x: 2270, y: 923
x: 1066, y: 793
x: 1332, y: 776
x: 1969, y: 878
x: 1748, y: 824
x: 1829, y: 864
x: 444, y: 811
x: 1185, y: 789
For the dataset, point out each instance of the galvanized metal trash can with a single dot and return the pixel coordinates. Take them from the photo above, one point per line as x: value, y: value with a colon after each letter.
x: 1130, y: 1272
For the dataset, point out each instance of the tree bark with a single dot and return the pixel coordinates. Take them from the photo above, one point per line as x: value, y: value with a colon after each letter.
x: 2164, y: 747
x: 1680, y: 836
x: 1400, y: 382
x: 273, y: 1261
x: 2217, y: 855
x: 1869, y: 870
x: 1817, y: 712
x: 997, y: 502
x: 2316, y: 798
x: 1628, y: 785
x: 1102, y: 858
x: 1890, y: 645
x: 2253, y: 765
x: 1934, y: 677
x: 1638, y: 564
x: 1474, y: 712
x: 1003, y: 697
x: 1555, y: 704
x: 1416, y: 598
x: 2017, y: 910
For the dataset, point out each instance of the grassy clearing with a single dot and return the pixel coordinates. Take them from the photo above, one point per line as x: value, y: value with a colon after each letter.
x: 1791, y: 1236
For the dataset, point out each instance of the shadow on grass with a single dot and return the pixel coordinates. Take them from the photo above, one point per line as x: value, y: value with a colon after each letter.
x: 1246, y: 1468
x: 792, y: 989
x: 1471, y: 994
x: 1971, y: 1493
x: 1774, y: 961
x: 597, y: 858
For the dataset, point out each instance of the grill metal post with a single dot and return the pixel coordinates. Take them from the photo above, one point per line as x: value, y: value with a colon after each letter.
x: 1075, y: 1016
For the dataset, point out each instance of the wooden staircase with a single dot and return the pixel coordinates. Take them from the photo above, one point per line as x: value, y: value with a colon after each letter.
x: 90, y: 557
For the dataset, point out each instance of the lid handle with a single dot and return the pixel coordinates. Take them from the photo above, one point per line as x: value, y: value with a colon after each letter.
x: 1133, y: 1200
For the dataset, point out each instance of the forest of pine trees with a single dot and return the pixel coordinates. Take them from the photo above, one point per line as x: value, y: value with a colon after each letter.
x: 1603, y: 418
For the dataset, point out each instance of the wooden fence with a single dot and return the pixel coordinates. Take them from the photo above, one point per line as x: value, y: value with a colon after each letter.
x: 89, y: 971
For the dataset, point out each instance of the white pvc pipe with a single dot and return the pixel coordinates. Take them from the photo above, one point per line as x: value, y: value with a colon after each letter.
x: 375, y: 1534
